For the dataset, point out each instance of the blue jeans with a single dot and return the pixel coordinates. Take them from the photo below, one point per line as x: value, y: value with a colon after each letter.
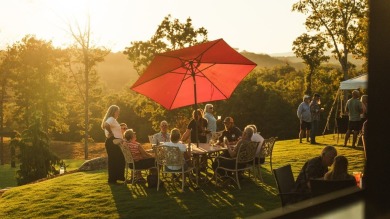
x: 314, y: 130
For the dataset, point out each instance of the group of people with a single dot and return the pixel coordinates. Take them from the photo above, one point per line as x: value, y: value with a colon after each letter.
x: 357, y: 115
x: 199, y: 130
x: 309, y: 114
x: 317, y: 168
x: 116, y: 161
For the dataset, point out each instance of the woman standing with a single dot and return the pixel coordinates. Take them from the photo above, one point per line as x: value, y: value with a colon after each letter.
x: 112, y: 130
x: 197, y: 125
x: 211, y: 121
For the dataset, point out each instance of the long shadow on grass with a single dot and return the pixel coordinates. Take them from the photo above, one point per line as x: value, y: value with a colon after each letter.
x: 207, y: 201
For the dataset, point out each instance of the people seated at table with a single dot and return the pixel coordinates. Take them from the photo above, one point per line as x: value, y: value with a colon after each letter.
x: 231, y: 132
x: 315, y: 168
x: 142, y: 159
x: 256, y: 137
x: 339, y: 169
x: 232, y: 152
x: 163, y: 135
x: 175, y: 137
x: 211, y: 120
x: 197, y: 123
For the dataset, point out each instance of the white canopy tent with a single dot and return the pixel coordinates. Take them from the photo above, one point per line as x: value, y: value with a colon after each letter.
x: 355, y: 83
x: 359, y: 82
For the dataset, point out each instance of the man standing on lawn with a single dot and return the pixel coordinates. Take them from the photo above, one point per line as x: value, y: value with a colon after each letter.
x: 315, y: 111
x: 304, y: 116
x: 354, y: 108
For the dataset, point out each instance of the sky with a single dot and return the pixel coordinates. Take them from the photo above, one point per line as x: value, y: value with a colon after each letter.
x: 259, y: 26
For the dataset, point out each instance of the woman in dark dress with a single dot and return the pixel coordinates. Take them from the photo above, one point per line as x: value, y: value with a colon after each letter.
x: 199, y: 123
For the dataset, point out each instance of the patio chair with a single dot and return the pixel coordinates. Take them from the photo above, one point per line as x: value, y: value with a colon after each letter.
x: 130, y: 163
x: 245, y: 160
x: 285, y: 183
x: 266, y: 151
x: 322, y: 187
x: 170, y: 156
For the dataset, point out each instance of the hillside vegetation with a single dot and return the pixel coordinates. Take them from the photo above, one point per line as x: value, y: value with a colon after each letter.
x: 117, y: 71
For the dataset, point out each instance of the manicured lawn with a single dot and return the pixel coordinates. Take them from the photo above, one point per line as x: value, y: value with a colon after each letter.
x: 86, y: 194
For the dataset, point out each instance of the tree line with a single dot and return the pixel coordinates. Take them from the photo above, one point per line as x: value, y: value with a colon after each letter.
x: 39, y: 81
x: 61, y: 86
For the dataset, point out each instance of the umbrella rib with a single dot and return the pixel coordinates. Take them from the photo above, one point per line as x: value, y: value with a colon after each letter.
x: 185, y: 77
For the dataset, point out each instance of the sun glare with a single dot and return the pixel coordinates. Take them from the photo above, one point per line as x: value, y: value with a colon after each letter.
x: 254, y: 25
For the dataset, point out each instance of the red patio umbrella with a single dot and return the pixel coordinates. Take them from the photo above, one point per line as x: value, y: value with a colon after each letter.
x: 202, y: 73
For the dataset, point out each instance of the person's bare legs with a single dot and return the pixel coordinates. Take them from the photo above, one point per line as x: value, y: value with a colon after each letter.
x: 300, y: 135
x: 355, y: 134
x: 347, y: 137
x: 307, y: 135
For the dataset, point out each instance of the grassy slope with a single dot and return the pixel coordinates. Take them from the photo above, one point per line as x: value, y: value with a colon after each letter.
x: 86, y: 194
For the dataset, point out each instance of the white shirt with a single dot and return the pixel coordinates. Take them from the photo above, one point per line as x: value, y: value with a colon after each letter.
x: 115, y: 128
x: 303, y: 112
x: 182, y: 148
x: 211, y: 122
x: 159, y: 137
x: 256, y: 137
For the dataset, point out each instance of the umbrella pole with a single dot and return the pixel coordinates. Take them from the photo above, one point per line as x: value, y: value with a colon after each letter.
x: 196, y: 103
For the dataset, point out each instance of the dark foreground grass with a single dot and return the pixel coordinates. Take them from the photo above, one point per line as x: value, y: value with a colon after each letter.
x: 87, y: 195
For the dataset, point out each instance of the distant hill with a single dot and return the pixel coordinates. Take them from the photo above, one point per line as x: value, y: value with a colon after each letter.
x: 117, y: 72
x: 298, y: 62
x: 266, y: 61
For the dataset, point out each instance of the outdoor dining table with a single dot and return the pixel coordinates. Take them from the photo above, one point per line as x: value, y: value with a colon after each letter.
x: 207, y: 152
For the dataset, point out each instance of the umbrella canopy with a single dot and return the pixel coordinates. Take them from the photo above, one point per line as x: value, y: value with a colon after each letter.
x: 201, y: 73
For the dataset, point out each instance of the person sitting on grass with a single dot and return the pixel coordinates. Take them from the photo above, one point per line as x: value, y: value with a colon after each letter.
x: 142, y: 159
x: 339, y: 169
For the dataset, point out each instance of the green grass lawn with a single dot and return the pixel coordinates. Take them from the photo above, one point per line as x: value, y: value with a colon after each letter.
x: 87, y: 194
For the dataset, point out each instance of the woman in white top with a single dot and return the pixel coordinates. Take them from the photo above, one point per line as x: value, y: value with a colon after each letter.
x: 256, y: 137
x: 112, y: 130
x: 211, y: 121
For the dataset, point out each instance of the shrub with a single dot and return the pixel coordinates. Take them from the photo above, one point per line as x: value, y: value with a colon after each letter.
x: 37, y: 161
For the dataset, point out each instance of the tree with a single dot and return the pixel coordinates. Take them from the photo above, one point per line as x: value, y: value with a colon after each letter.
x: 6, y: 66
x: 311, y: 49
x: 37, y: 83
x: 170, y: 35
x: 37, y: 161
x: 87, y: 55
x: 339, y: 22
